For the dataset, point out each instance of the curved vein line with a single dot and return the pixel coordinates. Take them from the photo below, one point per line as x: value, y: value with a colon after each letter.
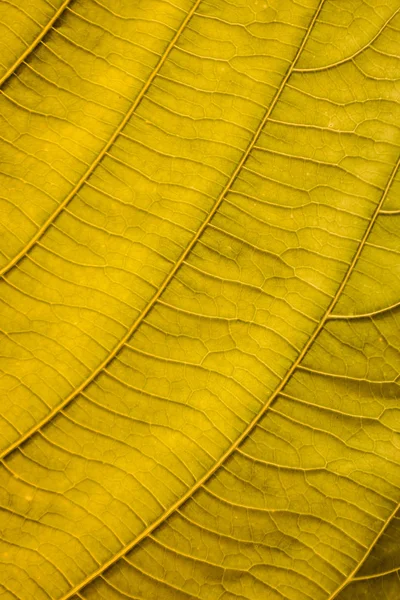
x: 255, y: 420
x: 354, y: 55
x: 5, y: 452
x: 380, y: 311
x: 28, y: 434
x: 351, y: 577
x: 390, y: 212
x: 344, y: 376
x: 35, y: 42
x: 377, y: 575
x: 393, y: 513
x: 105, y: 148
x: 273, y: 396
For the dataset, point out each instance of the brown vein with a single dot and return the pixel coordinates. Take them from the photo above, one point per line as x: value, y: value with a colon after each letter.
x: 35, y: 42
x: 105, y: 149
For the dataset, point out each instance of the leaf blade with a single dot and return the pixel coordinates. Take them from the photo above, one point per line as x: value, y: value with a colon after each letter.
x: 244, y: 372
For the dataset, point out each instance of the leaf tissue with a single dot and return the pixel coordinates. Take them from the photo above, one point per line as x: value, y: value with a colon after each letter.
x: 199, y: 300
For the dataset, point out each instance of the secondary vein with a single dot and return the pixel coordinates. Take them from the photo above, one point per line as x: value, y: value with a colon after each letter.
x: 184, y: 255
x: 105, y: 148
x: 35, y: 42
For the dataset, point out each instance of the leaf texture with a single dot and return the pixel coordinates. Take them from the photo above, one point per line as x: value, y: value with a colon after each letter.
x: 200, y: 335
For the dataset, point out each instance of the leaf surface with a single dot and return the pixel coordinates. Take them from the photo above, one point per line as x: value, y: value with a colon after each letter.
x: 199, y: 319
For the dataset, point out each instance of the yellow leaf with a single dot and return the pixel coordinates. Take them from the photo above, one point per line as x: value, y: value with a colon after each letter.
x: 199, y: 318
